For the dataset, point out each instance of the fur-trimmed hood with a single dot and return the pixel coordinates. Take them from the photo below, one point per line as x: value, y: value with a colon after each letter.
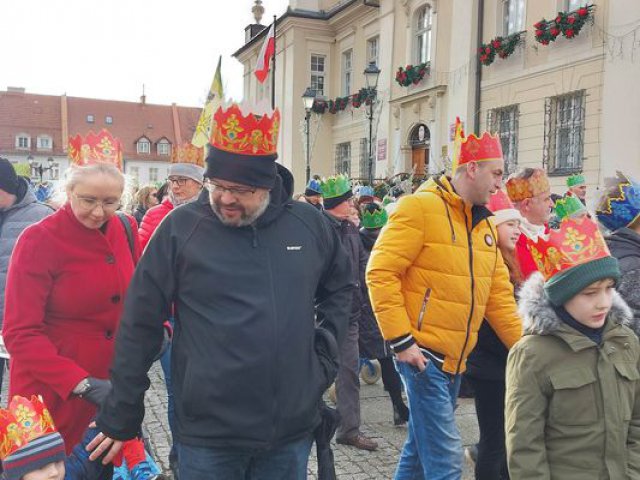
x: 539, y: 317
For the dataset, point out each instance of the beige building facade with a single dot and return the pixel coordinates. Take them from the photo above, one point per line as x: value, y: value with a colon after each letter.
x: 569, y: 106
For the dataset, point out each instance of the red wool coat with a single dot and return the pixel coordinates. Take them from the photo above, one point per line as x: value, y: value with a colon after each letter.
x: 65, y: 290
x: 151, y: 220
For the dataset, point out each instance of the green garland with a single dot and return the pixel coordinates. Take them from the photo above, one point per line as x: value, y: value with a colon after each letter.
x: 500, y: 46
x: 568, y: 24
x: 341, y: 103
x: 412, y: 74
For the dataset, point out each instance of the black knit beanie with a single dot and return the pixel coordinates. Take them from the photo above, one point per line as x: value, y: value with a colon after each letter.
x: 255, y: 171
x: 8, y: 177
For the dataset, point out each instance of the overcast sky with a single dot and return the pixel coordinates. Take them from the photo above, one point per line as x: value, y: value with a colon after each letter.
x: 110, y: 48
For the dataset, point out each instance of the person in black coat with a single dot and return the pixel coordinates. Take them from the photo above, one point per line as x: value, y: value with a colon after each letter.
x: 486, y: 366
x: 619, y: 211
x: 370, y: 342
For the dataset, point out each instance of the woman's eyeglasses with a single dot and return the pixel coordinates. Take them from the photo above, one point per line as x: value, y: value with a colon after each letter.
x: 180, y: 181
x: 90, y: 203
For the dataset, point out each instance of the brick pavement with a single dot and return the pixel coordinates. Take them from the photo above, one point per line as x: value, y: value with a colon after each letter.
x: 351, y: 464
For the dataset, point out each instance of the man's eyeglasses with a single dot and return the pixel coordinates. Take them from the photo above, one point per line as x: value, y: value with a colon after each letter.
x: 180, y: 181
x: 238, y: 192
x: 90, y: 203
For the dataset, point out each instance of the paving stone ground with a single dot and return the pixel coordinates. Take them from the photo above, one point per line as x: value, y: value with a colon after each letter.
x: 351, y: 464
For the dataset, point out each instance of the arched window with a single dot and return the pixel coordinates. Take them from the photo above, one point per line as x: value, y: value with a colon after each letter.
x: 423, y: 24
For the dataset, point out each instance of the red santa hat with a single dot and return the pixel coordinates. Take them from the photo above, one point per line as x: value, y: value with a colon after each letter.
x: 502, y: 208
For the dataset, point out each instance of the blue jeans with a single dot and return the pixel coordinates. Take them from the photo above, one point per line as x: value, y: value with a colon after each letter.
x: 288, y: 462
x: 165, y: 363
x: 433, y: 450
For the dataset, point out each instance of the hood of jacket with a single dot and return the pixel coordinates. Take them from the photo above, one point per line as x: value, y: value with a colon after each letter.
x: 624, y: 243
x: 539, y: 317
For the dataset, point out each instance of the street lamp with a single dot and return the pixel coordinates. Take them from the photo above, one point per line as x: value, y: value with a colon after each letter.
x: 37, y: 167
x: 371, y: 75
x: 308, y: 98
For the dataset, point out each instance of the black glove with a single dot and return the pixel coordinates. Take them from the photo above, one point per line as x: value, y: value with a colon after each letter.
x: 98, y: 390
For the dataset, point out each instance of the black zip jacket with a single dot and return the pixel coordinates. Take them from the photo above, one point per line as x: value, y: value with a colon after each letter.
x: 249, y: 362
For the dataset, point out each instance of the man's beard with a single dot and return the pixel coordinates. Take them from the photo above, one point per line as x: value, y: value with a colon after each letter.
x: 177, y: 202
x: 246, y: 218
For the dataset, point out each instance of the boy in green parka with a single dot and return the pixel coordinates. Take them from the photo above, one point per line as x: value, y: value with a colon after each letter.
x: 572, y: 408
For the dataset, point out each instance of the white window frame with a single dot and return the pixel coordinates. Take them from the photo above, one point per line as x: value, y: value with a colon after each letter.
x: 164, y: 148
x: 318, y: 75
x: 91, y: 118
x: 143, y: 146
x: 154, y: 173
x: 134, y: 171
x: 343, y: 158
x: 54, y: 173
x: 513, y: 16
x: 503, y: 121
x: 108, y: 120
x: 572, y: 5
x: 422, y: 35
x: 41, y: 140
x: 23, y: 145
x: 564, y: 132
x: 373, y: 50
x: 347, y: 71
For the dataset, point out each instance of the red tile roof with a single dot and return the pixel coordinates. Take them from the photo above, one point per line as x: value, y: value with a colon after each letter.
x: 42, y: 114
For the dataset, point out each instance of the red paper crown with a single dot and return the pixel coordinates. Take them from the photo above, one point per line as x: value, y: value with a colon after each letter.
x: 499, y: 201
x: 188, y: 153
x: 577, y: 240
x: 24, y: 421
x: 474, y: 149
x: 95, y: 148
x: 254, y: 135
x: 522, y: 188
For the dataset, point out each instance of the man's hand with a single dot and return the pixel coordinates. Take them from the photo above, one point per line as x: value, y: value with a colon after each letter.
x: 101, y: 444
x: 413, y: 356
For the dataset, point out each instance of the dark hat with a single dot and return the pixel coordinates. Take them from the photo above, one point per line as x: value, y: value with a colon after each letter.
x: 243, y: 148
x: 8, y: 177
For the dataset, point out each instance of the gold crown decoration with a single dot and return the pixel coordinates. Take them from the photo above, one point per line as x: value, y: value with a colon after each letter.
x: 95, y: 148
x: 473, y: 149
x: 24, y: 421
x: 252, y: 134
x: 576, y: 241
x: 619, y: 207
x: 520, y: 189
x: 188, y: 153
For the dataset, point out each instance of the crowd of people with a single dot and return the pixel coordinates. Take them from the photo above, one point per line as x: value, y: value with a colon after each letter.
x: 255, y: 301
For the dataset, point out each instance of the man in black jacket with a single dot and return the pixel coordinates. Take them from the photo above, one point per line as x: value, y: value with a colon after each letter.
x: 619, y: 211
x: 246, y: 269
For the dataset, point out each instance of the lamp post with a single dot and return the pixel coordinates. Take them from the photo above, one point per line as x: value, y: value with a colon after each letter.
x: 37, y: 167
x: 371, y: 74
x: 308, y: 97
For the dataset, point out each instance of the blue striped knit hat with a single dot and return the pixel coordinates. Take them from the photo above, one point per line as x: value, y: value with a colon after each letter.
x: 34, y: 455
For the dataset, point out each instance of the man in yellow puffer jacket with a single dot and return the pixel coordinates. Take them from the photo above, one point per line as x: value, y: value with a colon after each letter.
x: 434, y: 274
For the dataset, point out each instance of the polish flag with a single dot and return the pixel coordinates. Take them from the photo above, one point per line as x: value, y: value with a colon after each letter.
x: 266, y: 52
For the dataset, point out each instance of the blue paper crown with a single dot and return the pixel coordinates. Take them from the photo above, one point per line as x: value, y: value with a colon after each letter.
x: 314, y: 185
x: 620, y: 209
x: 366, y: 191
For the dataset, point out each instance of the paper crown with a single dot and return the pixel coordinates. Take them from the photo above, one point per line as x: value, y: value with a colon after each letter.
x: 95, y: 148
x: 366, y: 191
x: 474, y: 149
x: 374, y: 218
x: 569, y: 206
x: 619, y: 207
x: 188, y: 153
x: 252, y: 135
x: 24, y: 421
x: 314, y: 186
x: 576, y: 241
x: 336, y: 186
x: 499, y: 201
x: 576, y: 180
x: 522, y: 188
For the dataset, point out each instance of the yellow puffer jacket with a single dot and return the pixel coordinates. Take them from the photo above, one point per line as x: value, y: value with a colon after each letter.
x: 435, y: 272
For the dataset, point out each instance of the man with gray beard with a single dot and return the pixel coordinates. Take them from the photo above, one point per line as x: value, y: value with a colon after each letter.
x: 261, y: 288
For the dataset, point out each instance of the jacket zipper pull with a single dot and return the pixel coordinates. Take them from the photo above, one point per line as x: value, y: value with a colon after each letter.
x: 427, y: 295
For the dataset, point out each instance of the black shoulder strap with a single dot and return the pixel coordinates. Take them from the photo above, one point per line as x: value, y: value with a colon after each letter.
x: 127, y: 228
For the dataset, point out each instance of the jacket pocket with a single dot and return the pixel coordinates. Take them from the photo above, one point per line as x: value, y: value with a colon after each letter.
x: 423, y: 308
x: 628, y: 375
x: 574, y: 397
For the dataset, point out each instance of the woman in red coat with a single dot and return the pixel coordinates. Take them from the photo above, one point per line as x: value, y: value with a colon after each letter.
x: 66, y: 285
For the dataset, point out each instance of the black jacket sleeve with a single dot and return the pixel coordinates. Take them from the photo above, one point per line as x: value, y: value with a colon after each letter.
x: 333, y: 296
x: 140, y: 335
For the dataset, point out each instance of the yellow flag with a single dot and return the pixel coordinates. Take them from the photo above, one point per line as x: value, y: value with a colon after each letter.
x: 214, y: 100
x: 457, y: 144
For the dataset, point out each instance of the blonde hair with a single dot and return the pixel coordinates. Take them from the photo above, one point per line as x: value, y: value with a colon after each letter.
x: 75, y: 174
x: 142, y: 196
